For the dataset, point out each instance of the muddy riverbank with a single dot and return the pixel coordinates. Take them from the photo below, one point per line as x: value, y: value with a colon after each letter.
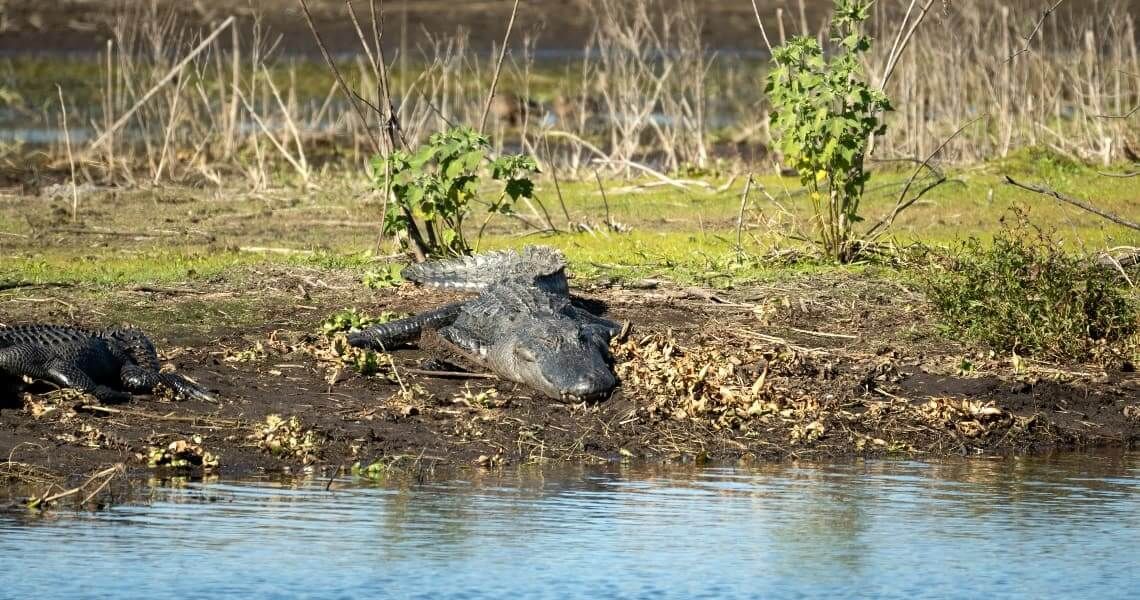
x: 817, y: 367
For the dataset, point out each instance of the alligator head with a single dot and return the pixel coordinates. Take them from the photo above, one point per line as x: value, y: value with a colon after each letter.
x: 564, y: 359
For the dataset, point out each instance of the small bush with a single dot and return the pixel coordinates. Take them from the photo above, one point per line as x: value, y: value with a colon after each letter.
x: 1025, y: 294
x: 824, y: 115
x: 434, y: 188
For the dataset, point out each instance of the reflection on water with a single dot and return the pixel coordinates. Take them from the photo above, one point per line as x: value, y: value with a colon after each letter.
x: 1052, y: 527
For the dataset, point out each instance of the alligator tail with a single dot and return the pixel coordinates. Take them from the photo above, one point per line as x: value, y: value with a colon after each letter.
x: 396, y: 333
x: 475, y: 273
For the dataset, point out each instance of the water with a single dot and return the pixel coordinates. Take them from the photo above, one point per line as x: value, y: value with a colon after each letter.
x: 1027, y: 528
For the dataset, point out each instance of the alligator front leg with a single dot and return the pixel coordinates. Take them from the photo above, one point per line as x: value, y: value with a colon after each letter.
x: 67, y: 375
x: 611, y: 327
x: 143, y: 380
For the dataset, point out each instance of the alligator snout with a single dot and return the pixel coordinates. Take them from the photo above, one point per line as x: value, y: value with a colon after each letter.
x: 592, y: 386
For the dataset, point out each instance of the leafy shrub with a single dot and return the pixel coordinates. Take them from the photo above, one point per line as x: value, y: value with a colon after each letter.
x: 433, y: 188
x: 824, y: 114
x: 1025, y: 294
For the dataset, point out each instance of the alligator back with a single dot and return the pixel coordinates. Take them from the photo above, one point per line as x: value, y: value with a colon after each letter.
x: 541, y: 266
x: 45, y: 335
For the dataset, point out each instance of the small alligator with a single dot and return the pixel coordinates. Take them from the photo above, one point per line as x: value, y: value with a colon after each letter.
x: 522, y: 325
x: 95, y: 362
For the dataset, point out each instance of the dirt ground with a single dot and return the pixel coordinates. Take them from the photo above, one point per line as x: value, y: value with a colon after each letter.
x: 809, y: 367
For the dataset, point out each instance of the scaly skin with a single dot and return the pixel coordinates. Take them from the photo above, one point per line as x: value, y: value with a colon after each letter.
x: 522, y: 325
x: 107, y: 364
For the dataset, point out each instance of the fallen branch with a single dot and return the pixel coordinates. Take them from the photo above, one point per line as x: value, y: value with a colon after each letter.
x: 192, y: 419
x: 824, y: 334
x: 132, y: 234
x: 108, y: 474
x: 272, y: 250
x: 450, y: 374
x: 663, y: 178
x: 16, y: 285
x: 1123, y: 115
x: 1075, y: 202
x: 153, y: 289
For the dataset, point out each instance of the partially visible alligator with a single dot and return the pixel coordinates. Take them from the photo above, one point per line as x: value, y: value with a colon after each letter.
x: 101, y: 363
x: 522, y: 325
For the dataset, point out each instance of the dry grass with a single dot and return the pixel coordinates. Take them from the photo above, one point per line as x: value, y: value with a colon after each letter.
x: 172, y: 108
x: 1072, y: 91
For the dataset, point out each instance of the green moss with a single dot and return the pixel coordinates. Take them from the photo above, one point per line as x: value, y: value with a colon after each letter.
x: 113, y: 269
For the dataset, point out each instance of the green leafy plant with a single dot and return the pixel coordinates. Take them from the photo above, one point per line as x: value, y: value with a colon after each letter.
x: 824, y: 116
x: 387, y: 276
x: 351, y: 318
x: 433, y: 189
x: 1025, y: 294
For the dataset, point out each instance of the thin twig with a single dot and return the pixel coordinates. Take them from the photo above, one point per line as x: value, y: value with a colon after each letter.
x: 1075, y: 202
x: 289, y: 123
x: 1121, y: 116
x: 450, y: 374
x: 900, y: 204
x: 192, y: 419
x: 301, y: 169
x: 763, y: 34
x: 109, y: 473
x: 893, y: 60
x: 743, y: 203
x: 70, y: 158
x: 557, y: 187
x: 605, y: 201
x: 339, y: 78
x: 824, y: 334
x: 498, y: 68
x: 1036, y: 30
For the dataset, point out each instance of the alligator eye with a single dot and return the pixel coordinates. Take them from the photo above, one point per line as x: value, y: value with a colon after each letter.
x: 525, y: 353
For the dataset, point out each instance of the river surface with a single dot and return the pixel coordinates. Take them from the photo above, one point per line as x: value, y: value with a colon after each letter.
x: 1014, y: 528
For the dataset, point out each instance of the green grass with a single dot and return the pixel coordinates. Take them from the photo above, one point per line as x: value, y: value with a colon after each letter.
x: 683, y: 235
x: 156, y: 266
x: 973, y: 202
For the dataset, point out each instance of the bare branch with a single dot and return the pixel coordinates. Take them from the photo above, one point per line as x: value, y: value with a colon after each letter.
x: 498, y: 68
x: 764, y: 34
x: 902, y: 204
x: 1036, y: 30
x: 900, y: 47
x: 1121, y: 116
x: 336, y: 73
x: 1075, y: 202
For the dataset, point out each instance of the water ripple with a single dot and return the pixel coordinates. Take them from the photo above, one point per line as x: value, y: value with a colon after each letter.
x: 1064, y: 526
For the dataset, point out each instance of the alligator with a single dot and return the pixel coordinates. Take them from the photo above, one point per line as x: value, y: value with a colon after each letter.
x: 522, y: 325
x: 99, y: 362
